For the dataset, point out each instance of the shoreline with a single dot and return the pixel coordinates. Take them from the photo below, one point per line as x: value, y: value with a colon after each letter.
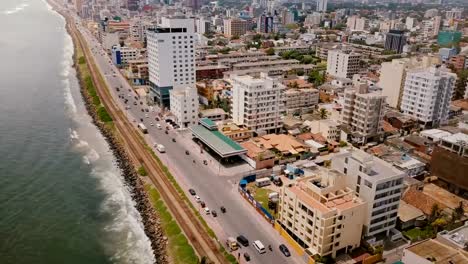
x: 138, y: 193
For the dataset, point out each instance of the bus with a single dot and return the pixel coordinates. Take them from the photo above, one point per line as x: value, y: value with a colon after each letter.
x: 142, y: 128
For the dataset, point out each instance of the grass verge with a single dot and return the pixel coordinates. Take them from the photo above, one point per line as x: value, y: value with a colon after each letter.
x: 261, y: 196
x: 178, y: 247
x: 142, y: 171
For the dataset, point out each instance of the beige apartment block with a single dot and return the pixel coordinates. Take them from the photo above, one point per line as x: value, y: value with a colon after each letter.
x: 323, y: 214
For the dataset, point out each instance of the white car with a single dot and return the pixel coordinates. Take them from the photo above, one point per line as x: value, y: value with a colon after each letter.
x: 151, y: 124
x: 197, y: 198
x: 207, y: 210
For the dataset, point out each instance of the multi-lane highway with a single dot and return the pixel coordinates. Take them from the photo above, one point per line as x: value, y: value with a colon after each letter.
x: 215, y: 190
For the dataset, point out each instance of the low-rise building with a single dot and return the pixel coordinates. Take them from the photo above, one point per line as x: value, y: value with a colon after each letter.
x: 328, y: 128
x: 300, y: 101
x: 323, y: 214
x: 215, y: 114
x: 433, y: 251
x: 235, y: 132
x: 122, y: 55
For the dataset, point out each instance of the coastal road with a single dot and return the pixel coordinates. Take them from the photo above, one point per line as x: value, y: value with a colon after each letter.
x: 216, y: 190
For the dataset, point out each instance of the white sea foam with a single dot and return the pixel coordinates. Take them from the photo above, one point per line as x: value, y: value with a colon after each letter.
x: 124, y: 237
x: 16, y: 9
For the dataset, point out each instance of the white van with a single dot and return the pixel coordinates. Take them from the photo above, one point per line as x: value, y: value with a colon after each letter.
x: 259, y: 246
x: 158, y: 126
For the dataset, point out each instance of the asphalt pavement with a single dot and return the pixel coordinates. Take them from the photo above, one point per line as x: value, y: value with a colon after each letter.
x: 215, y: 191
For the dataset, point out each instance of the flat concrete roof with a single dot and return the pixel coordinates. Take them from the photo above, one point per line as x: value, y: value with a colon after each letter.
x: 217, y: 141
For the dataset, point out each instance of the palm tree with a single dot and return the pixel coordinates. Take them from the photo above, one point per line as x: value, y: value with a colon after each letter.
x: 323, y: 113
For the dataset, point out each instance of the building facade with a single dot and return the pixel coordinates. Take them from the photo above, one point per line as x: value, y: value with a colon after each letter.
x: 235, y: 27
x: 171, y: 57
x: 427, y: 94
x: 395, y: 40
x: 184, y: 106
x: 363, y: 113
x: 301, y: 100
x: 258, y: 103
x: 321, y: 5
x: 342, y: 64
x: 322, y: 213
x: 376, y: 182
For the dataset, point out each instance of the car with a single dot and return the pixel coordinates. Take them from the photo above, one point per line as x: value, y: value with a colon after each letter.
x: 141, y: 119
x: 173, y: 140
x: 197, y: 198
x: 166, y: 132
x: 146, y: 115
x: 243, y: 240
x: 117, y: 89
x: 214, y: 214
x: 157, y: 118
x: 147, y: 110
x: 141, y: 103
x: 202, y: 204
x: 142, y: 110
x: 223, y: 209
x: 246, y: 256
x: 207, y: 210
x: 151, y: 124
x: 134, y: 103
x: 284, y: 250
x: 187, y: 152
x: 192, y: 191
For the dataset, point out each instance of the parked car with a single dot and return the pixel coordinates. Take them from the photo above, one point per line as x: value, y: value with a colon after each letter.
x: 192, y: 192
x: 173, y: 140
x: 246, y: 256
x: 187, y: 152
x: 197, y: 198
x: 284, y: 250
x: 207, y: 210
x: 202, y: 204
x: 243, y: 241
x: 214, y: 214
x: 223, y: 209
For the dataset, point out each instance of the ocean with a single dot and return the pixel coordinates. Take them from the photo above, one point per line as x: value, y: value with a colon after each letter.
x: 62, y: 198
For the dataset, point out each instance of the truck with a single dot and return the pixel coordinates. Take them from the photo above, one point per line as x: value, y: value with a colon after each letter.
x: 161, y: 148
x: 231, y: 244
x: 143, y: 128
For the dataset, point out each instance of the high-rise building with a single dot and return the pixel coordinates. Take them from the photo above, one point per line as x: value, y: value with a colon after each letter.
x: 203, y: 25
x: 171, y: 57
x: 341, y: 63
x: 184, y: 106
x: 287, y: 17
x: 235, y: 27
x: 363, y: 112
x: 355, y: 23
x: 427, y: 94
x: 395, y: 40
x: 321, y: 6
x: 265, y: 24
x: 377, y: 183
x: 393, y: 75
x: 194, y: 4
x: 133, y: 5
x: 431, y: 27
x: 258, y: 103
x: 323, y: 213
x: 409, y: 23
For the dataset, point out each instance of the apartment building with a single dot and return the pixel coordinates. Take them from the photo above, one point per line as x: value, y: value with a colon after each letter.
x: 122, y: 55
x: 393, y: 75
x: 235, y: 27
x: 323, y: 214
x: 431, y: 27
x: 258, y: 103
x: 363, y: 113
x: 171, y: 57
x: 342, y: 63
x: 395, y: 40
x: 184, y: 106
x: 328, y: 128
x: 301, y: 100
x: 427, y: 94
x: 321, y: 5
x: 355, y: 23
x: 376, y: 182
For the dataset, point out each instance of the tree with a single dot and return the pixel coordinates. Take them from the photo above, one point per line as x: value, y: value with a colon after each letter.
x: 460, y: 85
x: 316, y: 78
x: 270, y: 51
x: 323, y: 113
x: 235, y: 37
x: 459, y: 210
x: 434, y: 212
x: 300, y: 72
x: 438, y: 223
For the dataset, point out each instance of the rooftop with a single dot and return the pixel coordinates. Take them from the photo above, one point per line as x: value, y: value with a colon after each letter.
x: 378, y: 169
x: 437, y: 252
x: 407, y: 212
x: 458, y: 138
x: 457, y: 237
x: 218, y: 142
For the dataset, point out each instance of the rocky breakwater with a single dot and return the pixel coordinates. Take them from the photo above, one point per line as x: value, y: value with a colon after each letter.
x: 149, y: 217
